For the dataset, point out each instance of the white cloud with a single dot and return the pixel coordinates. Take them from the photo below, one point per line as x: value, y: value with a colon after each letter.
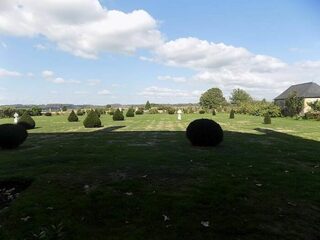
x: 40, y: 47
x: 93, y: 82
x: 50, y: 76
x: 159, y: 92
x: 30, y: 74
x: 229, y: 67
x: 173, y: 79
x: 80, y: 92
x: 82, y: 27
x: 104, y: 92
x: 7, y: 73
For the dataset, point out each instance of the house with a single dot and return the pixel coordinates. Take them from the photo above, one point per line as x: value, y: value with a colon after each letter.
x: 310, y: 92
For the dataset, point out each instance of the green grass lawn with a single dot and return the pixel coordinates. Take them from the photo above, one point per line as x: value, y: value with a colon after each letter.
x: 121, y: 181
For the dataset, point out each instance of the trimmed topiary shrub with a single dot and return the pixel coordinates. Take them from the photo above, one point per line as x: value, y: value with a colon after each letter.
x: 231, y: 114
x: 267, y: 119
x: 214, y: 112
x: 73, y: 117
x: 130, y: 112
x: 48, y: 114
x: 118, y: 115
x: 153, y: 111
x: 202, y: 111
x: 26, y: 121
x: 80, y: 112
x: 140, y: 111
x: 204, y: 133
x: 12, y: 135
x: 92, y: 120
x: 171, y: 111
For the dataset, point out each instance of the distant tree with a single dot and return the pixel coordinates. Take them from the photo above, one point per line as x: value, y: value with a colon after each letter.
x: 108, y: 106
x: 294, y: 104
x: 239, y: 96
x: 64, y: 109
x: 147, y: 106
x: 212, y: 98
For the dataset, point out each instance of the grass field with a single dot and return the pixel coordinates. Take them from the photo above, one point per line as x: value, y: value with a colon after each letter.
x: 141, y: 179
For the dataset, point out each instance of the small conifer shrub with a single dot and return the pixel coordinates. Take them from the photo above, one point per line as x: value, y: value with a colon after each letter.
x: 92, y: 120
x: 73, y: 117
x: 26, y: 121
x: 139, y: 111
x: 80, y: 112
x: 48, y: 114
x: 130, y: 112
x: 12, y: 135
x: 214, y: 112
x: 231, y: 114
x: 118, y: 115
x: 267, y: 119
x: 171, y: 111
x: 202, y: 111
x: 153, y: 111
x: 204, y: 133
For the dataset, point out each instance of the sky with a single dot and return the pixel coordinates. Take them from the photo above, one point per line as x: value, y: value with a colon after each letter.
x: 131, y: 51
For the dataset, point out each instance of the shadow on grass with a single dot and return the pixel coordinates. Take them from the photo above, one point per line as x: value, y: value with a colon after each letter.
x: 252, y: 186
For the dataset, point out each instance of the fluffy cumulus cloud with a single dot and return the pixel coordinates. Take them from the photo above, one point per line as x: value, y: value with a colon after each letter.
x: 230, y: 67
x: 82, y: 27
x: 159, y: 92
x: 6, y: 73
x: 50, y: 76
x: 172, y: 78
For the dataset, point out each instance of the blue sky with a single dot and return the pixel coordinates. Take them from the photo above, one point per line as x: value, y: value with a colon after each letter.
x: 117, y: 51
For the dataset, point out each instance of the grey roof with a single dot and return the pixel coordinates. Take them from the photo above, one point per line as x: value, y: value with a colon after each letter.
x: 304, y: 90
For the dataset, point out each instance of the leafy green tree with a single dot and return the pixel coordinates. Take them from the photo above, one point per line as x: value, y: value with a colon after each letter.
x: 148, y: 105
x: 315, y: 106
x: 239, y: 96
x: 64, y: 109
x: 212, y: 98
x: 294, y: 104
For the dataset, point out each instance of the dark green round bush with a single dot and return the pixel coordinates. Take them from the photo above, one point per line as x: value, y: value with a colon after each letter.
x: 92, y: 120
x: 130, y: 112
x: 26, y: 121
x: 73, y: 117
x: 202, y: 111
x: 232, y: 114
x: 12, y: 135
x: 140, y: 111
x: 267, y: 119
x: 171, y: 111
x: 214, y: 112
x: 80, y: 112
x: 204, y: 133
x: 118, y: 115
x: 48, y: 114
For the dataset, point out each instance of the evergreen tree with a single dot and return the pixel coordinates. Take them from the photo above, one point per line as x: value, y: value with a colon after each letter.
x: 118, y: 115
x: 232, y: 112
x: 148, y: 105
x: 130, y: 112
x: 26, y: 121
x: 92, y: 120
x: 73, y: 117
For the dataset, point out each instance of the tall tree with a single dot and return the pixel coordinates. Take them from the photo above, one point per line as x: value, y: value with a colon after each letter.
x: 212, y: 98
x: 148, y: 105
x: 294, y: 104
x: 239, y: 96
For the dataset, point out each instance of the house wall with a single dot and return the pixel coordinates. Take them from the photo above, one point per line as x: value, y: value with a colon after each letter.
x: 307, y: 108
